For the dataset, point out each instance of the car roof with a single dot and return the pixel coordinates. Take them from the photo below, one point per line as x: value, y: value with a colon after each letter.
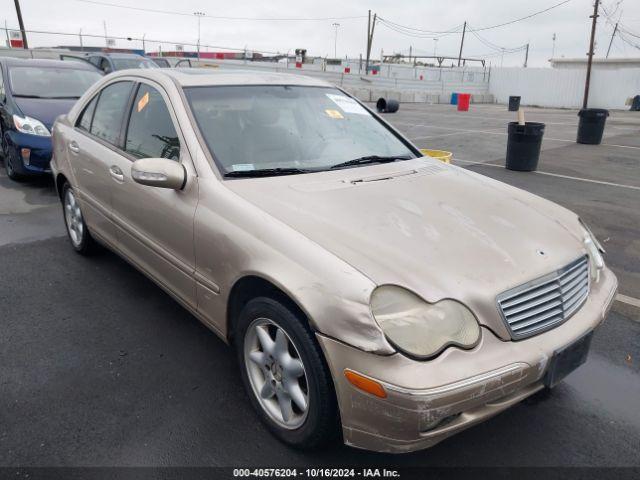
x: 200, y: 77
x: 31, y: 62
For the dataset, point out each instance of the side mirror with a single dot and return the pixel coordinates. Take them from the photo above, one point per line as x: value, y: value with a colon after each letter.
x: 159, y: 172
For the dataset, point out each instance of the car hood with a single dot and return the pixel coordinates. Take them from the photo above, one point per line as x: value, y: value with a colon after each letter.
x: 436, y: 229
x: 44, y: 109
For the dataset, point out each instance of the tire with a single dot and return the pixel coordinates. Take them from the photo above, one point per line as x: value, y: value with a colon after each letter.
x: 319, y: 424
x: 77, y: 230
x: 8, y: 165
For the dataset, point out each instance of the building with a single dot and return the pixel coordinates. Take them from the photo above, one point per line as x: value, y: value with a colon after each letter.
x: 598, y: 63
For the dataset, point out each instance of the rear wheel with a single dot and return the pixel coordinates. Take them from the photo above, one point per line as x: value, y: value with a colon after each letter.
x: 77, y: 230
x: 285, y: 375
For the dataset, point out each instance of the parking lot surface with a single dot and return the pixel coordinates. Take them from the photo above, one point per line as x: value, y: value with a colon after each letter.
x: 99, y: 367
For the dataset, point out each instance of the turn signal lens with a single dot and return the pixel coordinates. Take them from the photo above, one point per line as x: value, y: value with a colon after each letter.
x: 365, y: 384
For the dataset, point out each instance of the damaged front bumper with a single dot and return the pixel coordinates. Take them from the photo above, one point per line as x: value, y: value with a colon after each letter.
x: 429, y: 401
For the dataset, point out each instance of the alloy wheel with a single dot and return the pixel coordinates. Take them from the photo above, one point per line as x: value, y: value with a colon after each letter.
x: 276, y: 373
x: 73, y: 217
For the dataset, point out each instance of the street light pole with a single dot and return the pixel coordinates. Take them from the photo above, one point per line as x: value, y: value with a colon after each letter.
x: 335, y: 41
x: 199, y: 15
x: 435, y: 46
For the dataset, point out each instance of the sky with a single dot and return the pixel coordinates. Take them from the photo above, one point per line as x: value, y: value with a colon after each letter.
x: 569, y: 22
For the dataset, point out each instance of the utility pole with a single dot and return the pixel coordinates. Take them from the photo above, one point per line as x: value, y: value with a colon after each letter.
x: 553, y: 48
x: 594, y: 18
x: 81, y: 46
x: 366, y: 65
x: 464, y: 30
x: 410, y: 48
x: 106, y: 41
x: 371, y: 25
x: 526, y: 56
x: 615, y: 29
x: 21, y: 23
x: 144, y: 49
x: 199, y: 15
x: 335, y: 40
x: 6, y: 31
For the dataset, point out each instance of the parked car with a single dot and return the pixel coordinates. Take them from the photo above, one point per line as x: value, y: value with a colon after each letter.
x: 111, y: 62
x: 32, y: 94
x: 365, y: 288
x: 172, y: 62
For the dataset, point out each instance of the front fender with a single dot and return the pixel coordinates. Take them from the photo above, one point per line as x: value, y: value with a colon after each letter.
x: 234, y: 238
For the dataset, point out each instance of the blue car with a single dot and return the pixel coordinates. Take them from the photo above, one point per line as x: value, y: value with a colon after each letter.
x: 32, y: 94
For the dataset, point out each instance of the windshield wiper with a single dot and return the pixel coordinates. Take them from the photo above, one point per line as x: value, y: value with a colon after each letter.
x: 74, y: 97
x: 267, y: 172
x: 371, y: 159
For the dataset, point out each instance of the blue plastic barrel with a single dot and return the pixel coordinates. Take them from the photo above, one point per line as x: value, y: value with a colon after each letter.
x: 454, y: 99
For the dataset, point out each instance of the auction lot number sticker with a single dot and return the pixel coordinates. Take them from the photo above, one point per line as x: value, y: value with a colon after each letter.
x: 315, y: 473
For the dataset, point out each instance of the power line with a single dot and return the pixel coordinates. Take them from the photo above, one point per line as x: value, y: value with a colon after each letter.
x: 523, y: 18
x: 416, y: 34
x: 621, y: 26
x: 219, y: 17
x: 493, y: 46
x: 457, y: 29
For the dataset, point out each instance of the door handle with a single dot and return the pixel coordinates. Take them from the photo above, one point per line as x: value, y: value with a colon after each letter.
x: 73, y: 146
x: 116, y: 173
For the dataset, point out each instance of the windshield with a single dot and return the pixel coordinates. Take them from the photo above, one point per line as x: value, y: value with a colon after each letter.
x: 288, y: 127
x: 124, y: 63
x: 41, y: 82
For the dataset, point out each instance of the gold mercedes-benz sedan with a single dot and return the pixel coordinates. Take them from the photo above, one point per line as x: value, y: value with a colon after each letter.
x: 372, y: 295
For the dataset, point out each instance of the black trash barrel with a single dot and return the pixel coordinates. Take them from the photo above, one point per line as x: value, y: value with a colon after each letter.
x: 591, y: 125
x: 387, y: 106
x: 523, y: 146
x: 514, y: 104
x: 635, y: 105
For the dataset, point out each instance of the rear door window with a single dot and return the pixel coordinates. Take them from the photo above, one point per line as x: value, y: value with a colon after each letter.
x: 110, y: 110
x: 151, y: 133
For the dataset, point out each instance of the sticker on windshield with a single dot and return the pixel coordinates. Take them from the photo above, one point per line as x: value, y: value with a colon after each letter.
x: 242, y: 167
x: 333, y: 113
x: 346, y: 104
x: 143, y: 102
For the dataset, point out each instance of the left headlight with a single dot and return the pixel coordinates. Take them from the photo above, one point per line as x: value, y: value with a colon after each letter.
x: 594, y: 251
x: 31, y: 126
x: 420, y: 329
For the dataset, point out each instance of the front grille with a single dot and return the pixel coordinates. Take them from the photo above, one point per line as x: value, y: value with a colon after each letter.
x: 546, y: 302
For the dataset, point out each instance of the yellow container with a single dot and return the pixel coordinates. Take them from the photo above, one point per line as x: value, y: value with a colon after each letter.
x: 441, y: 155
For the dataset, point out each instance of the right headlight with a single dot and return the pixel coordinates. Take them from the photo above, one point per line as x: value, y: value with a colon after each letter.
x: 420, y: 329
x: 31, y: 126
x: 595, y: 251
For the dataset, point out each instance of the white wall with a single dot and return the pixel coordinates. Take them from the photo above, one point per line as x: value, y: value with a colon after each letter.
x: 550, y: 87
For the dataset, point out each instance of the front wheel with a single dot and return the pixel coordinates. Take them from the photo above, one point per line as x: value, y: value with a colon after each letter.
x: 285, y: 375
x: 9, y: 166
